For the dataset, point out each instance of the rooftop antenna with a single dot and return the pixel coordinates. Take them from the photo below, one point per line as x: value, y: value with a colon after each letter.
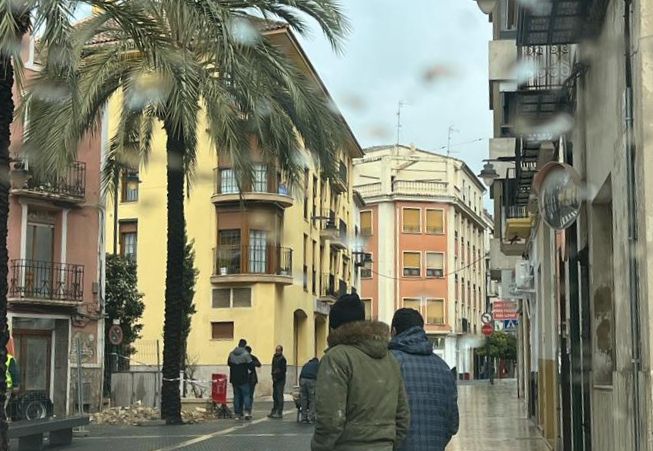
x: 400, y: 105
x: 452, y: 130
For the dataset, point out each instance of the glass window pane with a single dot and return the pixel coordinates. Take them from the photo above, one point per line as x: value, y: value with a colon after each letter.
x: 228, y: 183
x: 411, y: 220
x: 242, y: 297
x: 260, y: 178
x: 435, y: 311
x: 257, y: 251
x: 221, y: 298
x: 434, y: 221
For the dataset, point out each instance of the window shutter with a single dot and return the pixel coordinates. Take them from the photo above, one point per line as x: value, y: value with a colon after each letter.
x: 242, y: 297
x: 366, y: 222
x: 435, y: 311
x: 411, y: 220
x: 413, y: 303
x: 434, y: 221
x: 221, y: 298
x: 411, y: 260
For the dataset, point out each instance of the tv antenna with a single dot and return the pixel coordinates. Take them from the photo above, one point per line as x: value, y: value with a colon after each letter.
x: 452, y: 130
x: 400, y: 105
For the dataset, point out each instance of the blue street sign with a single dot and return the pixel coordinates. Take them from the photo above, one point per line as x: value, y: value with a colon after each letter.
x: 510, y: 324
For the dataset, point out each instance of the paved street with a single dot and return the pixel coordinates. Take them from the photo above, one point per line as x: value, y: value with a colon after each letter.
x: 491, y: 418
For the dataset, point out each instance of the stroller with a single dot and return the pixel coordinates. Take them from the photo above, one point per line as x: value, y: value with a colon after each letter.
x: 297, y: 397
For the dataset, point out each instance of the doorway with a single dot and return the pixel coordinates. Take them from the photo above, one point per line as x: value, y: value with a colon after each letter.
x: 299, y: 345
x: 34, y: 358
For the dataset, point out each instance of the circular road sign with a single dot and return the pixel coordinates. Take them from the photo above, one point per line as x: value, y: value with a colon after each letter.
x: 486, y: 318
x: 487, y: 330
x: 115, y: 335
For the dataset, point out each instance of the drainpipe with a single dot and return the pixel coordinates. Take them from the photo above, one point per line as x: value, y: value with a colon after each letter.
x: 632, y: 229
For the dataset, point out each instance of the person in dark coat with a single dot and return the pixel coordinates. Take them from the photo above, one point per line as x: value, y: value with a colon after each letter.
x: 253, y: 377
x: 430, y: 385
x: 240, y: 363
x: 360, y: 401
x: 279, y: 366
x: 307, y: 379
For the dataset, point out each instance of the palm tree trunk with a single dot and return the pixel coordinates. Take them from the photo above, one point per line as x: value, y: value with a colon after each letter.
x: 6, y: 117
x: 172, y: 335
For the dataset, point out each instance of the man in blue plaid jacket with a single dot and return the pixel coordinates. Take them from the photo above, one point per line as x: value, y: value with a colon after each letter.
x: 431, y: 388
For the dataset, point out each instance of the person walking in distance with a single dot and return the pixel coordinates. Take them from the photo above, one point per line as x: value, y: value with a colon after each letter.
x: 360, y: 400
x: 307, y: 386
x: 430, y: 385
x: 279, y: 365
x: 253, y: 377
x: 240, y: 364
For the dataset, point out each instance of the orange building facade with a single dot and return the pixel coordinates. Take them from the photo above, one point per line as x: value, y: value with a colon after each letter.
x: 425, y: 229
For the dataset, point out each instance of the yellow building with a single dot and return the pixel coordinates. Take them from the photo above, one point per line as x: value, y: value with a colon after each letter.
x: 268, y: 267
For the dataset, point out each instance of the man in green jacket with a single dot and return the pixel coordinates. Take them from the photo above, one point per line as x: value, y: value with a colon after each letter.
x: 360, y: 398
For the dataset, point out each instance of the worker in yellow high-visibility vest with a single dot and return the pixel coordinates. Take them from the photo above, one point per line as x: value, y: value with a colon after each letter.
x: 12, y: 377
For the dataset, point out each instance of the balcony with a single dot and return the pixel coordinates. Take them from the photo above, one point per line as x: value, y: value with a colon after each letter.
x: 543, y: 94
x: 335, y: 232
x: 68, y: 186
x: 252, y: 264
x: 46, y: 283
x: 369, y: 190
x: 553, y: 22
x: 339, y: 183
x: 419, y: 188
x: 331, y: 288
x: 266, y: 188
x: 518, y: 223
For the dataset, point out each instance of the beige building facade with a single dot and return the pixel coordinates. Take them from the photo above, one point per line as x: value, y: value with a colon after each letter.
x: 570, y: 84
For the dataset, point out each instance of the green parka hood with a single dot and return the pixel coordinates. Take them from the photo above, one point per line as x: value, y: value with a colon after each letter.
x: 371, y: 337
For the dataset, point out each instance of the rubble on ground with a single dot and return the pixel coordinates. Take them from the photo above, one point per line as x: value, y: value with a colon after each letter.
x: 139, y: 415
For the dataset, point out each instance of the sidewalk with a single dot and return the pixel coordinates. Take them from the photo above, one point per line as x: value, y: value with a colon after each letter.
x: 493, y: 418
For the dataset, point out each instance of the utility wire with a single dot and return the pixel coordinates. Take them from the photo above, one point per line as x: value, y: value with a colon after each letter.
x: 443, y: 277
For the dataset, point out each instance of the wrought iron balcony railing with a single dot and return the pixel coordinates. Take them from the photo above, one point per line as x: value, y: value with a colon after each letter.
x: 253, y: 259
x: 331, y: 286
x: 516, y: 212
x: 551, y: 65
x: 49, y: 281
x: 71, y: 183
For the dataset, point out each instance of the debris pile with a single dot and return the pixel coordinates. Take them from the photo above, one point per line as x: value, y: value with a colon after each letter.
x: 139, y: 415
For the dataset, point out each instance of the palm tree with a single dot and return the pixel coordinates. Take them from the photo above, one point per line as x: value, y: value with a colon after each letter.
x: 53, y: 19
x: 245, y: 88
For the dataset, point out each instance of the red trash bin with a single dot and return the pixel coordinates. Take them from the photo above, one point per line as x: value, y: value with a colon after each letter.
x: 219, y: 395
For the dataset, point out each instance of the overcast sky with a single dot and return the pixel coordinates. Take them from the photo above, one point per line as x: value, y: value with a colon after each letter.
x: 431, y: 54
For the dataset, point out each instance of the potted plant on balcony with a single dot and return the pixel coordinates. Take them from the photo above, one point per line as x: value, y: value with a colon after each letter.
x: 19, y: 175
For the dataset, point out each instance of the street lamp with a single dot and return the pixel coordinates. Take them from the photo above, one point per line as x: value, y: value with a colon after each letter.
x: 487, y: 6
x: 488, y: 174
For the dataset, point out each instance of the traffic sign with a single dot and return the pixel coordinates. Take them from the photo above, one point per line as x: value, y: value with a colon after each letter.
x: 486, y: 318
x: 510, y: 325
x: 505, y: 310
x: 115, y: 335
x: 487, y: 330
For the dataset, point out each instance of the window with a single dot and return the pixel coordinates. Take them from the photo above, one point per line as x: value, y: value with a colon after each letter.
x: 412, y: 223
x: 130, y: 183
x: 435, y: 221
x: 366, y: 270
x: 228, y: 183
x: 435, y: 311
x: 232, y: 298
x: 414, y: 303
x: 368, y: 308
x: 366, y: 223
x: 412, y: 264
x: 229, y: 252
x: 306, y: 187
x: 434, y: 264
x: 257, y: 251
x: 223, y: 330
x: 260, y: 178
x: 508, y: 15
x: 128, y: 239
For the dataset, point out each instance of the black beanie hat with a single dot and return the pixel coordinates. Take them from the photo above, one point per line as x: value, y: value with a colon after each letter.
x: 347, y: 309
x: 406, y: 318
